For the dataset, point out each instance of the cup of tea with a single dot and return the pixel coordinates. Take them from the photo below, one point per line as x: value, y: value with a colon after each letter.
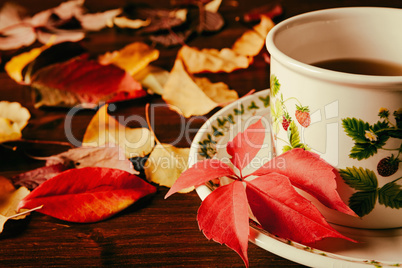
x: 336, y: 89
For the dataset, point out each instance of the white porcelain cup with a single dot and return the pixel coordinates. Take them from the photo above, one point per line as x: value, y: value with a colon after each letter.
x: 353, y: 121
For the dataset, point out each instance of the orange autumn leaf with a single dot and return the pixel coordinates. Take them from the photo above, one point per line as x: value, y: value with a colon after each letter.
x: 252, y: 41
x: 89, y: 194
x: 132, y: 58
x: 105, y: 129
x: 192, y: 98
x: 17, y: 63
x: 212, y: 60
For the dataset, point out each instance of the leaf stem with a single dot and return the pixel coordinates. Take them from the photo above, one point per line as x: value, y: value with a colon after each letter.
x: 24, y: 212
x: 396, y: 180
x: 13, y: 148
x: 389, y: 122
x: 284, y: 141
x: 391, y: 149
x: 63, y: 143
x: 291, y: 99
x: 235, y: 177
x: 149, y: 123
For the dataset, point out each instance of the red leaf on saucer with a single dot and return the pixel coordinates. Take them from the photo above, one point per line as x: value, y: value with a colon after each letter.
x: 273, y: 197
x: 87, y: 194
x: 84, y: 81
x: 245, y: 146
x: 223, y: 217
x: 307, y: 171
x: 200, y: 173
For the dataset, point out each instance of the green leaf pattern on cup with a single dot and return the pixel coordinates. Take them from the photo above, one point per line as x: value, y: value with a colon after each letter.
x: 368, y: 140
x: 223, y: 123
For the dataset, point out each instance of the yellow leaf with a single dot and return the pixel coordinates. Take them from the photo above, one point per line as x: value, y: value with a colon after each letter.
x: 252, y: 41
x: 17, y: 63
x: 218, y: 92
x: 152, y: 78
x: 183, y: 92
x: 165, y: 164
x: 213, y: 6
x: 8, y: 208
x: 104, y: 129
x: 132, y: 58
x: 6, y: 187
x: 13, y: 118
x: 124, y: 22
x: 212, y: 60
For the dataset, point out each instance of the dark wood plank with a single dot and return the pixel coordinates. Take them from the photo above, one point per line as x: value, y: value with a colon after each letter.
x: 153, y: 232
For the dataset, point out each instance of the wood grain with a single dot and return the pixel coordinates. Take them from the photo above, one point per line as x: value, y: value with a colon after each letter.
x: 154, y: 232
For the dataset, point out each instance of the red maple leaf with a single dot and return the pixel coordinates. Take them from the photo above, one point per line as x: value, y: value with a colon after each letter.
x: 223, y: 215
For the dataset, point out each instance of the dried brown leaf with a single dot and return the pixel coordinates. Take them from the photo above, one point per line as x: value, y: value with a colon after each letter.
x: 212, y: 60
x: 165, y: 164
x: 252, y: 41
x: 182, y: 91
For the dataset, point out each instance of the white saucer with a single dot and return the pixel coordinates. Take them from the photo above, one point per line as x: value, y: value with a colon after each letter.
x: 376, y: 248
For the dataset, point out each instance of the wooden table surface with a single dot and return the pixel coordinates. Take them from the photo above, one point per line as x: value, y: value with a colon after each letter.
x: 153, y: 232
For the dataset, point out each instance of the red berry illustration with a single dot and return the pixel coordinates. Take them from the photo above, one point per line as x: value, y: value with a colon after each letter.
x: 286, y: 121
x: 388, y: 166
x: 303, y: 115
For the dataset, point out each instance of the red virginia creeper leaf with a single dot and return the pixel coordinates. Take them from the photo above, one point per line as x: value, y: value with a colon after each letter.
x: 223, y: 217
x: 87, y: 194
x: 283, y: 212
x: 245, y: 146
x: 84, y: 81
x: 200, y: 173
x: 307, y: 171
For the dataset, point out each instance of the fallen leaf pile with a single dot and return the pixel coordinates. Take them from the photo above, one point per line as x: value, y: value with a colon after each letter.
x: 198, y: 96
x: 79, y: 80
x: 170, y: 27
x: 66, y: 22
x: 98, y: 179
x: 223, y: 215
x: 122, y: 74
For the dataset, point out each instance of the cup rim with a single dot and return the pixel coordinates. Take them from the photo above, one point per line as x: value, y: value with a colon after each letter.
x: 374, y: 81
